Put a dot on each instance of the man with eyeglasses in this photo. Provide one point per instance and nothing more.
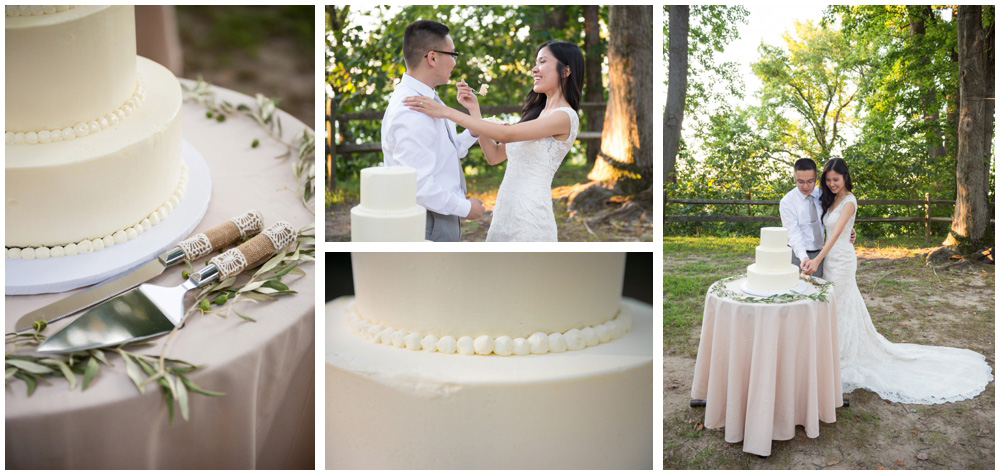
(801, 213)
(431, 146)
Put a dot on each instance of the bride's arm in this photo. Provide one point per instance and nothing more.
(551, 124)
(495, 153)
(838, 228)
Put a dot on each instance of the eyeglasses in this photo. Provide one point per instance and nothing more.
(449, 53)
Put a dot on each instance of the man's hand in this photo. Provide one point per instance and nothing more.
(477, 209)
(804, 263)
(854, 235)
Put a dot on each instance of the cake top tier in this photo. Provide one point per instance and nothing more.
(492, 293)
(388, 188)
(68, 67)
(774, 238)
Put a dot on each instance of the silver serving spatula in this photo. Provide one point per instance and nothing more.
(149, 311)
(194, 247)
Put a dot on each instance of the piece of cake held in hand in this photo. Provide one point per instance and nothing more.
(773, 272)
(483, 89)
(388, 211)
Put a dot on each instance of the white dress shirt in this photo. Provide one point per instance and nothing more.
(795, 216)
(429, 145)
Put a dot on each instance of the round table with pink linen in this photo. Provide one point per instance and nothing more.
(265, 368)
(766, 365)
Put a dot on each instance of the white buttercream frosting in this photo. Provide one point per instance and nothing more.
(97, 243)
(538, 343)
(81, 129)
(35, 10)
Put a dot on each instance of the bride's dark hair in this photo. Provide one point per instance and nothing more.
(838, 165)
(569, 56)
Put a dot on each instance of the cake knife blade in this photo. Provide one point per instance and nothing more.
(148, 311)
(191, 248)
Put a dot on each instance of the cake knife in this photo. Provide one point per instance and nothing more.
(148, 311)
(192, 248)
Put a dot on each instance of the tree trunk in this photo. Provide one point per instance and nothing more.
(626, 158)
(331, 147)
(971, 218)
(673, 117)
(593, 89)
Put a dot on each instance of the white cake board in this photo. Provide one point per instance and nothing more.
(59, 274)
(801, 288)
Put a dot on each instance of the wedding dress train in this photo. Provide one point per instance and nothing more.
(523, 210)
(898, 372)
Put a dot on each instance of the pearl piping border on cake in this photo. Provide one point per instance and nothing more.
(538, 343)
(118, 237)
(81, 129)
(35, 10)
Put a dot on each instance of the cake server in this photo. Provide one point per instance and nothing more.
(192, 248)
(149, 311)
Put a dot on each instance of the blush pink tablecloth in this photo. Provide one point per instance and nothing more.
(267, 369)
(765, 368)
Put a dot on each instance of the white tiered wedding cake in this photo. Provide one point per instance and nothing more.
(489, 360)
(388, 209)
(92, 132)
(773, 272)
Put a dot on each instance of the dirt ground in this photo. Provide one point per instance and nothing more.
(909, 302)
(571, 228)
(278, 66)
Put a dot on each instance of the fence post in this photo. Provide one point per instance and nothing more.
(927, 217)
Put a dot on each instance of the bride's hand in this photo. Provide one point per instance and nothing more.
(810, 266)
(427, 105)
(467, 98)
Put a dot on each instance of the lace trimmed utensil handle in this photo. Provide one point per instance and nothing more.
(271, 240)
(236, 228)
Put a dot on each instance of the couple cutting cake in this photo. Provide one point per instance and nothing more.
(418, 131)
(899, 372)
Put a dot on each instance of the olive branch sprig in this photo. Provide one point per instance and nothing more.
(264, 112)
(821, 295)
(170, 374)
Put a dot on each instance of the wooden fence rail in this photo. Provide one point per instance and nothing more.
(925, 203)
(332, 149)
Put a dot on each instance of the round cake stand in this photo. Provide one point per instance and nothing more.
(803, 285)
(59, 274)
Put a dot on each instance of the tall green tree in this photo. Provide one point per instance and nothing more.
(814, 83)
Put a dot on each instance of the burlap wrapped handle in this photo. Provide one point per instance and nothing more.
(262, 246)
(236, 228)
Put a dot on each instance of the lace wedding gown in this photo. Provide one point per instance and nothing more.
(898, 372)
(523, 211)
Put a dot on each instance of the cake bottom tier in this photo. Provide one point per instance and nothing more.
(391, 408)
(772, 281)
(91, 187)
(378, 226)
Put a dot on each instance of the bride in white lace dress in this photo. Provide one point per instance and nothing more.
(533, 148)
(898, 372)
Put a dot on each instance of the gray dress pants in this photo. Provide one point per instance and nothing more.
(442, 228)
